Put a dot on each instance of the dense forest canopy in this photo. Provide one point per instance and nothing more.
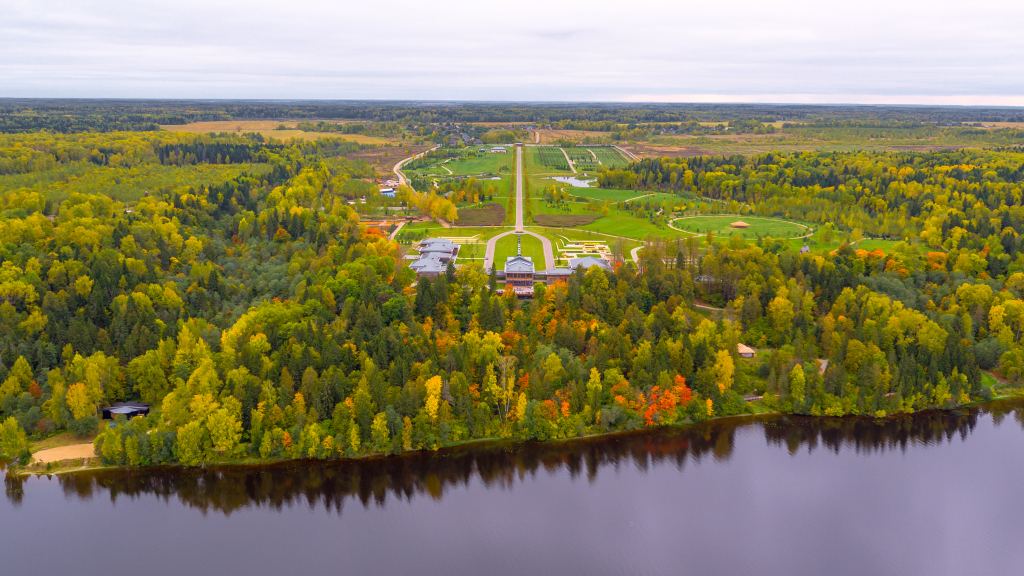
(260, 318)
(948, 200)
(25, 115)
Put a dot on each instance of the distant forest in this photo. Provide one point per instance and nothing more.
(72, 116)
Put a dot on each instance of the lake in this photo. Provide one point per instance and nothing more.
(935, 493)
(573, 181)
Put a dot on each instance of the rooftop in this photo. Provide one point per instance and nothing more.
(588, 261)
(519, 264)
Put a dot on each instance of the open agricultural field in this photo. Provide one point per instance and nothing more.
(610, 157)
(546, 159)
(580, 136)
(542, 206)
(492, 214)
(582, 158)
(384, 158)
(722, 226)
(268, 129)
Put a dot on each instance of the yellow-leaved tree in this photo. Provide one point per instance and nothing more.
(724, 370)
(433, 397)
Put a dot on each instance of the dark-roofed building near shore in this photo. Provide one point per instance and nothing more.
(127, 409)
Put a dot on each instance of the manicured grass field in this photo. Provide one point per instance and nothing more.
(722, 226)
(622, 224)
(566, 220)
(506, 247)
(482, 163)
(658, 197)
(606, 193)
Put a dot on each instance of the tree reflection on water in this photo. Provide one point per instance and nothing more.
(225, 489)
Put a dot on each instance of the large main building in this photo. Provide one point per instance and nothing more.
(519, 273)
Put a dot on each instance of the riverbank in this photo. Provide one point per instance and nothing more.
(81, 464)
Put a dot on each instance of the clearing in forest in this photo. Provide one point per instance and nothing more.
(729, 224)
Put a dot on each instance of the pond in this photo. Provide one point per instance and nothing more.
(935, 494)
(574, 181)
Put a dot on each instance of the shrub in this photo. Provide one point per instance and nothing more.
(85, 426)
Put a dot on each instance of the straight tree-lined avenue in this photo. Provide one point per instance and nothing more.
(549, 257)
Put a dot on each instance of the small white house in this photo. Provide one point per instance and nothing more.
(499, 150)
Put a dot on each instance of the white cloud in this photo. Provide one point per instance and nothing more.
(739, 50)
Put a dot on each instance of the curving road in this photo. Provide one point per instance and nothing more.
(402, 180)
(549, 257)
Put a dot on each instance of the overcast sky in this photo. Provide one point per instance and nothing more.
(843, 51)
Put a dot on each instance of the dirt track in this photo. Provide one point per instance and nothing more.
(64, 453)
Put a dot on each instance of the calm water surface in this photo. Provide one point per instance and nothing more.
(573, 181)
(931, 494)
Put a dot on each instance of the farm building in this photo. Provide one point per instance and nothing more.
(498, 150)
(739, 224)
(744, 351)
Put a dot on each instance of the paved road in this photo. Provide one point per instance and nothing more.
(549, 257)
(402, 180)
(628, 154)
(571, 165)
(395, 233)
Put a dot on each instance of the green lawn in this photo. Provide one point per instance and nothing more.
(482, 163)
(606, 193)
(721, 226)
(622, 224)
(506, 247)
(658, 197)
